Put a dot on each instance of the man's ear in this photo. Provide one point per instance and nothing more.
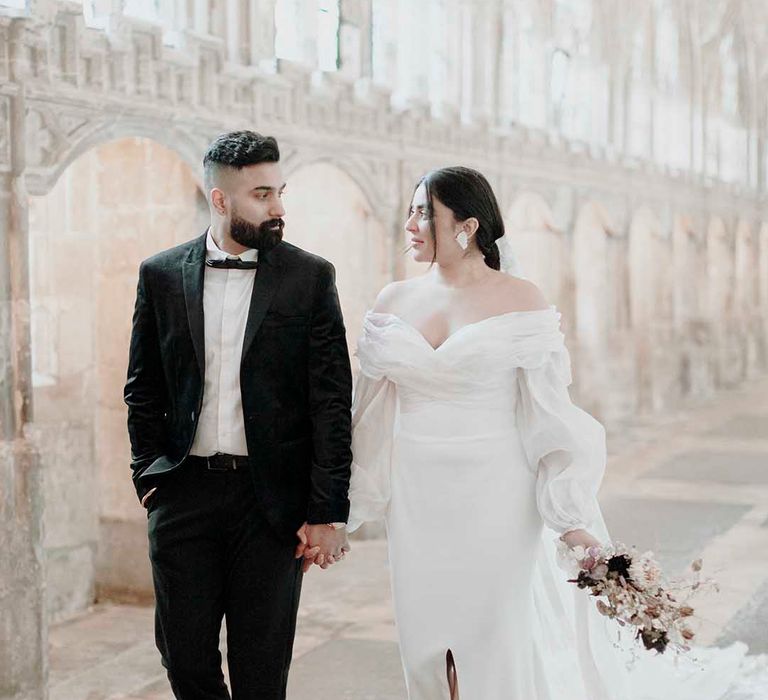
(219, 201)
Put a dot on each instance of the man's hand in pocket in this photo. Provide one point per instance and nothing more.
(147, 495)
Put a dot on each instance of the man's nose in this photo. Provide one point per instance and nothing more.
(278, 210)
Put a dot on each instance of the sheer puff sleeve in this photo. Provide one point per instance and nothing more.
(563, 443)
(373, 414)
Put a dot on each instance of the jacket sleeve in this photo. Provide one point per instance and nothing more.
(330, 400)
(373, 417)
(563, 443)
(145, 391)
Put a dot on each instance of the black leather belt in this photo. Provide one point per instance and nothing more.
(219, 462)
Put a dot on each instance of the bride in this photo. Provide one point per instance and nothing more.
(466, 442)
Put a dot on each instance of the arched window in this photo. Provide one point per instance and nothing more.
(558, 86)
(733, 135)
(639, 118)
(667, 52)
(297, 20)
(531, 78)
(287, 24)
(439, 59)
(729, 86)
(382, 43)
(328, 35)
(143, 9)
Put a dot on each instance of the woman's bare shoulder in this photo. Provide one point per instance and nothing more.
(392, 295)
(520, 294)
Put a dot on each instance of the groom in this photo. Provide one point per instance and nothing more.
(238, 392)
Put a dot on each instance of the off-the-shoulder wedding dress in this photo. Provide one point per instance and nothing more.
(476, 458)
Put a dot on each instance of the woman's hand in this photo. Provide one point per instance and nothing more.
(574, 538)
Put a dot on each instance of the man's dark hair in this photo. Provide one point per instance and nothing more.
(236, 150)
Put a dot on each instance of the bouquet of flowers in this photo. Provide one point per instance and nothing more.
(631, 589)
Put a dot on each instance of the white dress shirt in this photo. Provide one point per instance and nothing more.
(226, 300)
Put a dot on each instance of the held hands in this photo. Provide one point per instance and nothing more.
(321, 544)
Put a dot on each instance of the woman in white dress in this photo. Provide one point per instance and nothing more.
(466, 442)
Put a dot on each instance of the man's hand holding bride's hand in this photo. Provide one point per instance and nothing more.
(574, 538)
(322, 545)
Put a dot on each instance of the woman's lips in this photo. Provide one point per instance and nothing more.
(416, 241)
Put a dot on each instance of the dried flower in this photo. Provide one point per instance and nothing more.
(605, 609)
(631, 589)
(645, 573)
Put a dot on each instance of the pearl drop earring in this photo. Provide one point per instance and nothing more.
(462, 240)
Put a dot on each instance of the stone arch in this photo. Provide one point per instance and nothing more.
(763, 268)
(537, 244)
(722, 303)
(92, 134)
(329, 213)
(689, 258)
(88, 234)
(746, 296)
(720, 269)
(646, 246)
(762, 291)
(593, 302)
(745, 273)
(378, 187)
(590, 266)
(691, 324)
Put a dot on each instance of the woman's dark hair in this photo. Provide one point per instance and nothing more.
(467, 194)
(236, 150)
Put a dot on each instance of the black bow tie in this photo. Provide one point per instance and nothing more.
(232, 264)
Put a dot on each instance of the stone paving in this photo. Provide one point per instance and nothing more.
(685, 484)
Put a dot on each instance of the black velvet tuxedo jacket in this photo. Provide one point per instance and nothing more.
(295, 380)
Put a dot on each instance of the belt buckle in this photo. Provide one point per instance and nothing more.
(212, 468)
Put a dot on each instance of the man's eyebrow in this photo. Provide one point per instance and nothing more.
(267, 188)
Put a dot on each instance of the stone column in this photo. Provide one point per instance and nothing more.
(23, 634)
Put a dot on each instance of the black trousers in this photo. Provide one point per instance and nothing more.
(213, 555)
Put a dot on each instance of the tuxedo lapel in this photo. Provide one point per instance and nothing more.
(264, 287)
(193, 269)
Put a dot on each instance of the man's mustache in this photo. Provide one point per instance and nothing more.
(272, 223)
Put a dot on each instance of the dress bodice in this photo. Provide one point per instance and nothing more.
(475, 366)
(466, 386)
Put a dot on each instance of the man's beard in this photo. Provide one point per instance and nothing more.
(263, 237)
